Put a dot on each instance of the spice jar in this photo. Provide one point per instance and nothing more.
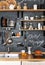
(18, 34)
(12, 23)
(23, 54)
(18, 6)
(38, 53)
(30, 27)
(25, 6)
(42, 17)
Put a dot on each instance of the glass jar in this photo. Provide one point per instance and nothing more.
(11, 23)
(35, 6)
(25, 6)
(23, 54)
(42, 17)
(18, 34)
(18, 6)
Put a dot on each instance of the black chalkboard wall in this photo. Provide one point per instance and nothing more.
(13, 16)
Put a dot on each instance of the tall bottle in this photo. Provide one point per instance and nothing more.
(3, 22)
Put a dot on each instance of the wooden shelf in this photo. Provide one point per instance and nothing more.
(29, 58)
(38, 20)
(32, 30)
(8, 10)
(30, 10)
(7, 27)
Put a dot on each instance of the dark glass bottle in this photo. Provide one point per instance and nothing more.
(3, 22)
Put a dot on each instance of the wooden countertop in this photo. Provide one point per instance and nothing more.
(29, 58)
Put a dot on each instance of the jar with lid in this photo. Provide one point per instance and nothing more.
(35, 6)
(42, 17)
(25, 6)
(18, 6)
(23, 54)
(18, 34)
(12, 23)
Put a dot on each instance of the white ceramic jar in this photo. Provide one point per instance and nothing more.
(31, 18)
(26, 18)
(35, 6)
